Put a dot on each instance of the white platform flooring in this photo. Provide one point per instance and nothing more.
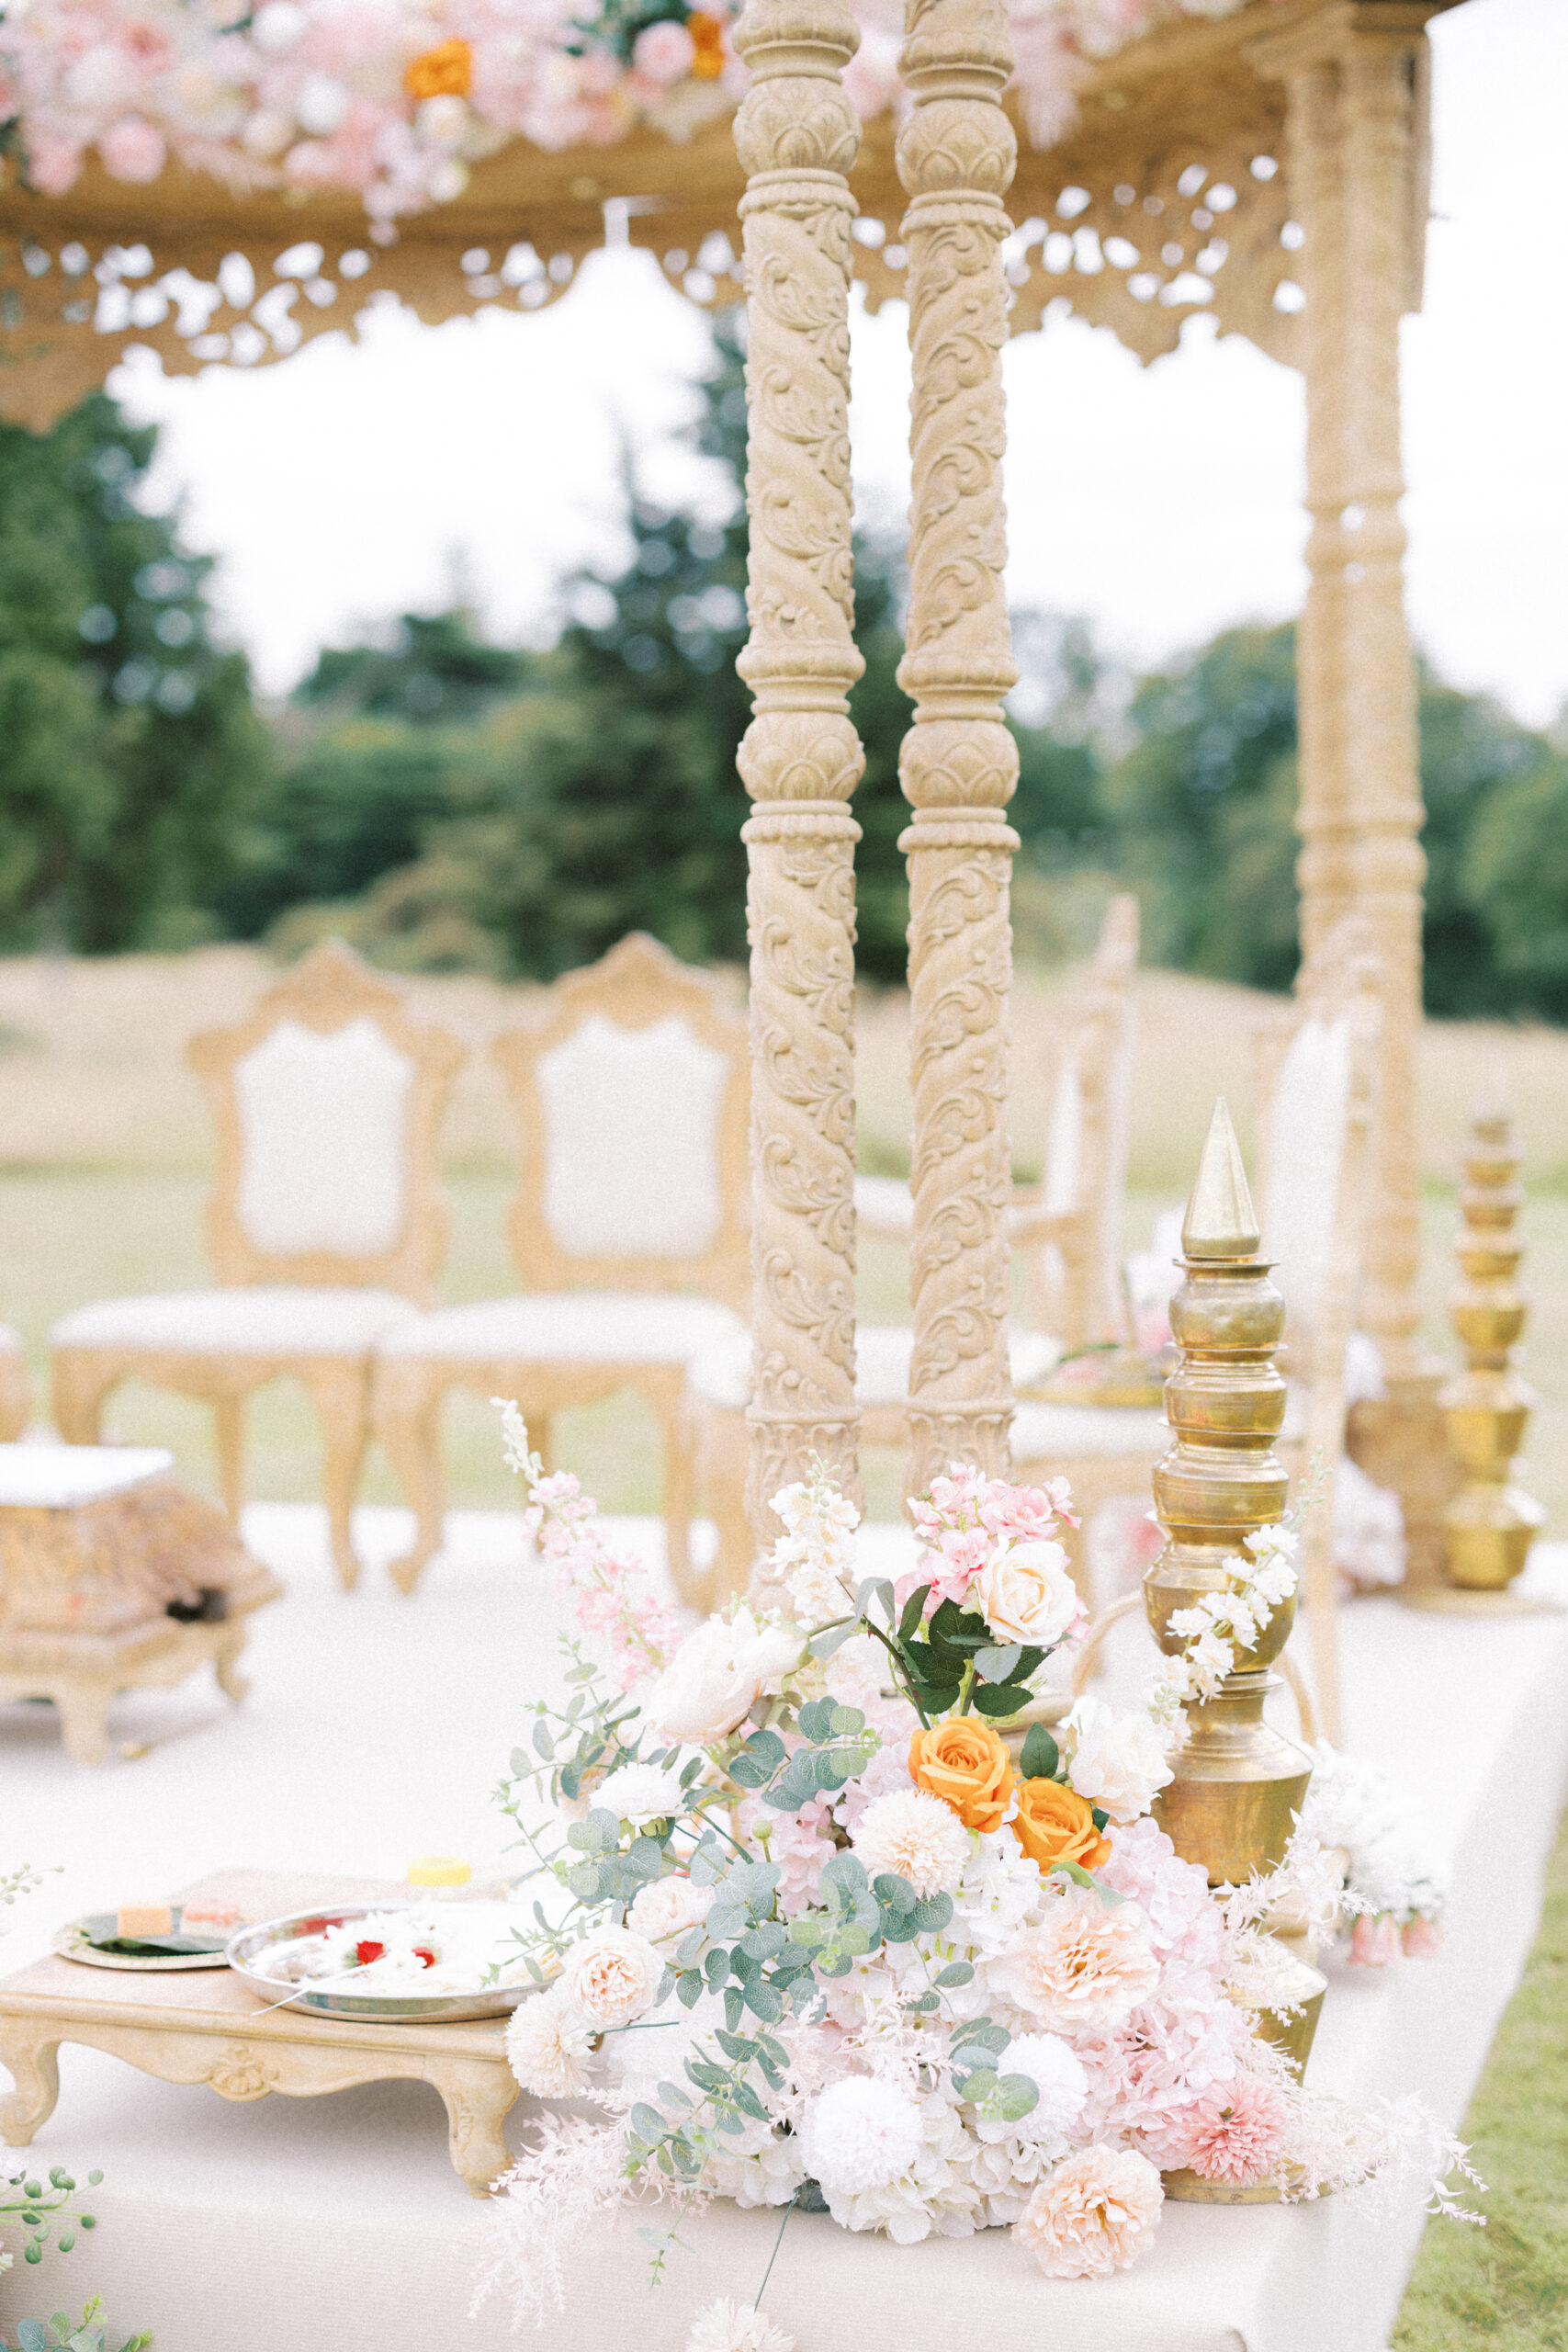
(375, 1730)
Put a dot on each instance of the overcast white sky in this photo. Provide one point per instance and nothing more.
(343, 484)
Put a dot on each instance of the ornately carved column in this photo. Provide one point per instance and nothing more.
(956, 156)
(797, 134)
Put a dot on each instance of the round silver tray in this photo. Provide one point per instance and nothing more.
(303, 1928)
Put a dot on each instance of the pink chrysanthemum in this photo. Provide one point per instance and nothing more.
(1239, 2144)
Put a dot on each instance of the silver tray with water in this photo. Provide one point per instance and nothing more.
(290, 1939)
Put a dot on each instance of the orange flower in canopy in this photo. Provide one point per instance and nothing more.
(707, 39)
(1054, 1825)
(445, 72)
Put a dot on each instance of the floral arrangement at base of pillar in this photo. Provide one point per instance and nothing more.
(818, 1937)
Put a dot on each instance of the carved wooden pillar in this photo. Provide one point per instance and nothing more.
(797, 135)
(959, 765)
(1356, 81)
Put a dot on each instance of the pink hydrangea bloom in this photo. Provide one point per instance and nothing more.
(1184, 1922)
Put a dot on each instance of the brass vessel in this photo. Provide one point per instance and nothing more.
(1491, 1523)
(1239, 1785)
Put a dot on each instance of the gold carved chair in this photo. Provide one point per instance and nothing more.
(631, 1229)
(1315, 1064)
(326, 1225)
(1068, 1225)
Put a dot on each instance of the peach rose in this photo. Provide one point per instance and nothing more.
(966, 1763)
(1056, 1824)
(1093, 2215)
(612, 1977)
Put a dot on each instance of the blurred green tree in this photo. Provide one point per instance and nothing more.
(128, 746)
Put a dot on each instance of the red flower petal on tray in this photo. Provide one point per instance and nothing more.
(422, 1952)
(367, 1951)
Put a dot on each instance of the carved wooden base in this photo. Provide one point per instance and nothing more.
(209, 2027)
(84, 1676)
(1402, 1441)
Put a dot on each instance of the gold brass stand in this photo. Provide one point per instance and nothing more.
(1239, 1785)
(1491, 1523)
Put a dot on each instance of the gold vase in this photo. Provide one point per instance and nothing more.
(1491, 1523)
(1237, 1784)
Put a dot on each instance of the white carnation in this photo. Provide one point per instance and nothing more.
(860, 2135)
(547, 2043)
(1119, 1760)
(730, 2327)
(917, 1836)
(1058, 2075)
(640, 1793)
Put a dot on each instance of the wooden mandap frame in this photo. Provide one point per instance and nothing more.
(1269, 166)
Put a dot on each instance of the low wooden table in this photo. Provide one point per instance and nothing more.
(205, 2026)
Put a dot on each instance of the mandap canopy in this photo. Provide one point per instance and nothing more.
(219, 185)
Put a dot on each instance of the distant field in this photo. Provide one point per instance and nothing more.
(105, 1147)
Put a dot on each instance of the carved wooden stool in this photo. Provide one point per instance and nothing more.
(205, 2026)
(112, 1578)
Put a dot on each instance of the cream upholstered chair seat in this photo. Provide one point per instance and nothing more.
(631, 1085)
(326, 1225)
(572, 1327)
(270, 1319)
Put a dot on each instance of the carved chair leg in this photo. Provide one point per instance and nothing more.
(81, 1387)
(34, 2066)
(16, 1395)
(341, 1393)
(406, 1414)
(228, 1428)
(542, 1438)
(83, 1709)
(226, 1666)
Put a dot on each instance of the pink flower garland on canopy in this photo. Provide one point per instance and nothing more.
(397, 98)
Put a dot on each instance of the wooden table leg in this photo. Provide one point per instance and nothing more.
(478, 2098)
(34, 2064)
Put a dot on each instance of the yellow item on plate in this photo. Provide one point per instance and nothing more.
(440, 1870)
(144, 1919)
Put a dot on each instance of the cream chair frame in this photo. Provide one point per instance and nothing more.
(1341, 983)
(639, 984)
(329, 989)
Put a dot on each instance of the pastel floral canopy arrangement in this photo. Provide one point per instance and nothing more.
(397, 98)
(810, 1929)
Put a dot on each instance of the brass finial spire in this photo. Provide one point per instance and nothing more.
(1221, 1221)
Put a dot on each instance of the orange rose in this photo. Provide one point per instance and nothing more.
(444, 71)
(1056, 1824)
(966, 1763)
(708, 45)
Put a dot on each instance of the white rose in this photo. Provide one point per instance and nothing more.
(668, 1907)
(1026, 1594)
(1119, 1760)
(612, 1977)
(713, 1679)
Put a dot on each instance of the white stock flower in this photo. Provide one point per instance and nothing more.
(730, 2327)
(640, 1793)
(1026, 1594)
(1118, 1759)
(713, 1679)
(668, 1907)
(612, 1977)
(546, 2043)
(817, 1595)
(917, 1836)
(860, 2135)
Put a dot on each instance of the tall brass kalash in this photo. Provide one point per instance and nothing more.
(1237, 1785)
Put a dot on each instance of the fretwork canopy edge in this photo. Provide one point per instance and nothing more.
(1171, 196)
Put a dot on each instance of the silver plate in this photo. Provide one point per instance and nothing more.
(302, 1929)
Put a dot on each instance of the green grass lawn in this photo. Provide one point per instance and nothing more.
(1506, 2286)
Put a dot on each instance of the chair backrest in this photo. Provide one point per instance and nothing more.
(1316, 1069)
(632, 1091)
(1075, 1281)
(328, 1104)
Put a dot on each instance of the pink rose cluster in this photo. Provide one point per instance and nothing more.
(991, 1549)
(319, 94)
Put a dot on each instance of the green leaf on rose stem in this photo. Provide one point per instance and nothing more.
(1100, 1817)
(996, 1665)
(914, 1609)
(957, 1971)
(1040, 1755)
(832, 1638)
(999, 1699)
(1030, 1663)
(1074, 1871)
